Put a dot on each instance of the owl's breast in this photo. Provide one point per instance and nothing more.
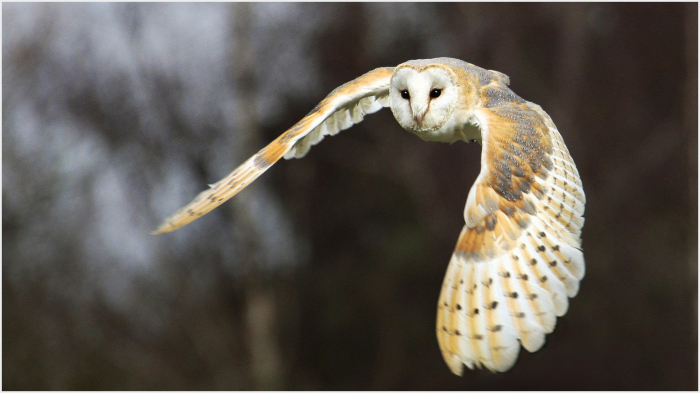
(459, 127)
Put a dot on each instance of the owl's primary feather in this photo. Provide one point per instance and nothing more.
(343, 107)
(518, 258)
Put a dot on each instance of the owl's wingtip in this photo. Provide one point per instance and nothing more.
(455, 364)
(161, 229)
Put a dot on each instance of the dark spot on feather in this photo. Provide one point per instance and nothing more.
(514, 150)
(503, 167)
(490, 222)
(517, 171)
(509, 158)
(541, 248)
(529, 207)
(553, 263)
(508, 211)
(459, 307)
(525, 186)
(548, 163)
(505, 189)
(476, 311)
(260, 161)
(523, 223)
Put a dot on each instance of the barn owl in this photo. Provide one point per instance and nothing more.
(518, 257)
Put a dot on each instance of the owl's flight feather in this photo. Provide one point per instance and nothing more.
(343, 107)
(518, 258)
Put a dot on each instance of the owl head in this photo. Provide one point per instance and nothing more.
(423, 96)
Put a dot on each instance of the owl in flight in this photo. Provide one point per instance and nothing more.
(518, 258)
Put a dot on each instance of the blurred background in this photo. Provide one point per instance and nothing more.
(325, 273)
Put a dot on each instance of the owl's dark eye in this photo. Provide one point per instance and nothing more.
(435, 93)
(405, 95)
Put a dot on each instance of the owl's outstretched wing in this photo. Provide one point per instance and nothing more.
(519, 255)
(343, 107)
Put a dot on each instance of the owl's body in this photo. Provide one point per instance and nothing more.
(518, 258)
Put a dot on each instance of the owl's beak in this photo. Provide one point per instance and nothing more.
(419, 118)
(419, 113)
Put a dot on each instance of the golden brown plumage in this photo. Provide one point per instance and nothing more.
(519, 255)
(518, 258)
(350, 101)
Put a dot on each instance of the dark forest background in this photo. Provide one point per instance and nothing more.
(325, 273)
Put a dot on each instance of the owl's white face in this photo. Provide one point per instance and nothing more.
(422, 101)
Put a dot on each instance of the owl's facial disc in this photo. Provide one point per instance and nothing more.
(422, 101)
